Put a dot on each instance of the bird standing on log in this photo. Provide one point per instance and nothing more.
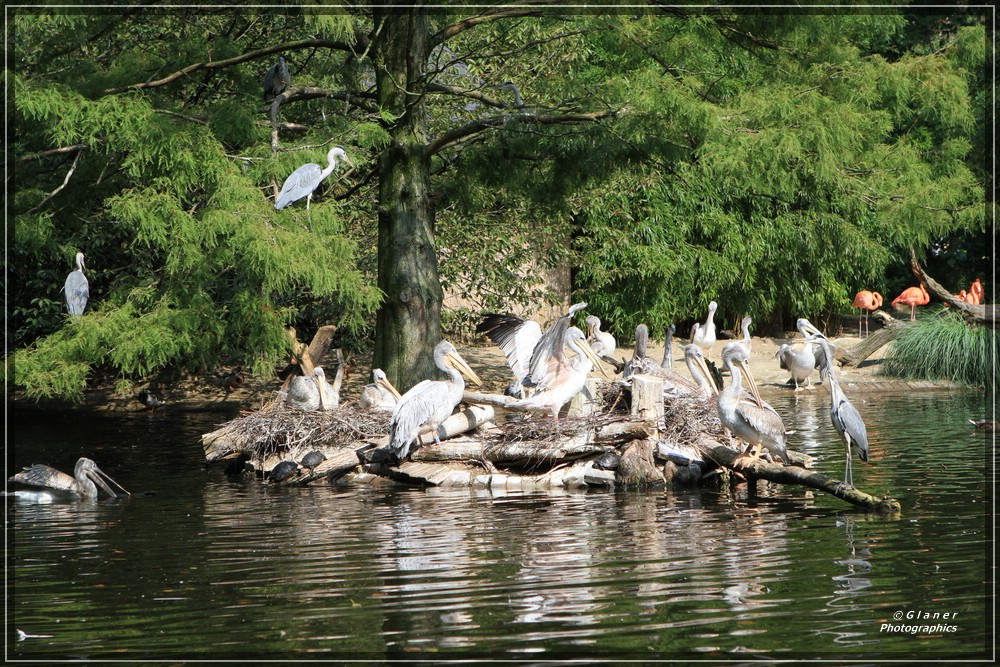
(866, 301)
(749, 421)
(430, 402)
(843, 414)
(913, 297)
(703, 335)
(77, 289)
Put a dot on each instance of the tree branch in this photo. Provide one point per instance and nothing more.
(69, 174)
(471, 129)
(236, 60)
(75, 148)
(457, 28)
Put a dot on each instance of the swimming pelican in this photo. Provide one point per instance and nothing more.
(379, 395)
(77, 289)
(519, 339)
(85, 475)
(430, 402)
(562, 378)
(304, 180)
(674, 384)
(601, 342)
(749, 421)
(668, 360)
(843, 414)
(703, 335)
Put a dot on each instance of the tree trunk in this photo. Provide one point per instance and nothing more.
(408, 325)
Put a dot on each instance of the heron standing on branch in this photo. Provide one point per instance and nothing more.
(77, 289)
(304, 180)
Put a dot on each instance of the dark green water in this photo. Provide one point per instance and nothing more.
(200, 566)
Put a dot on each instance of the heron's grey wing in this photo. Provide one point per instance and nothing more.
(45, 476)
(300, 183)
(77, 290)
(851, 423)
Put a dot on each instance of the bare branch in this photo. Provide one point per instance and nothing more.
(476, 127)
(75, 148)
(253, 55)
(465, 24)
(69, 174)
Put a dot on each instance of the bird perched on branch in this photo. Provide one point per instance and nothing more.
(304, 180)
(77, 289)
(277, 79)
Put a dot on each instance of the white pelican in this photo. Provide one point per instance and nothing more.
(379, 395)
(703, 335)
(745, 328)
(843, 414)
(430, 402)
(85, 475)
(560, 379)
(800, 357)
(314, 393)
(601, 342)
(698, 368)
(77, 289)
(749, 421)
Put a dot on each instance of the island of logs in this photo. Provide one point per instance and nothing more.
(612, 436)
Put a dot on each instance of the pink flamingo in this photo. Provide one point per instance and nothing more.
(977, 288)
(913, 297)
(866, 301)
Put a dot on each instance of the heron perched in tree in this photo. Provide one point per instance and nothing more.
(430, 402)
(87, 477)
(276, 79)
(703, 335)
(843, 414)
(749, 421)
(668, 361)
(77, 289)
(800, 358)
(380, 394)
(304, 180)
(510, 85)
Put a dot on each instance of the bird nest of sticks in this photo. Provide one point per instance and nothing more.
(261, 434)
(546, 431)
(687, 420)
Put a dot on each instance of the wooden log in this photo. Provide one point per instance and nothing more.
(465, 420)
(304, 361)
(794, 475)
(585, 403)
(647, 401)
(855, 355)
(978, 313)
(637, 467)
(498, 400)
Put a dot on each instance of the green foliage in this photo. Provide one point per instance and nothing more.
(942, 346)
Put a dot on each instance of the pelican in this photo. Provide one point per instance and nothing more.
(380, 394)
(674, 384)
(668, 361)
(698, 368)
(745, 328)
(843, 414)
(749, 421)
(703, 335)
(314, 393)
(601, 342)
(430, 402)
(307, 178)
(87, 477)
(77, 289)
(557, 381)
(520, 339)
(276, 79)
(800, 357)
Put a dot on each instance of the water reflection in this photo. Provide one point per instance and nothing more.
(205, 566)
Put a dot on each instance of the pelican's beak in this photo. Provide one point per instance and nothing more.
(385, 384)
(594, 359)
(745, 372)
(98, 476)
(590, 331)
(807, 329)
(459, 364)
(702, 366)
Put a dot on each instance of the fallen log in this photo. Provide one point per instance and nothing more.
(889, 332)
(981, 314)
(782, 474)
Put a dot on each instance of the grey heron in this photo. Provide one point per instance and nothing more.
(430, 402)
(749, 421)
(844, 416)
(703, 335)
(510, 85)
(304, 180)
(380, 394)
(87, 477)
(77, 289)
(276, 79)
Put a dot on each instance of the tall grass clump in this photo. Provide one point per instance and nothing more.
(942, 346)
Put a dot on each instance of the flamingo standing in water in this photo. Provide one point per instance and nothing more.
(913, 297)
(866, 301)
